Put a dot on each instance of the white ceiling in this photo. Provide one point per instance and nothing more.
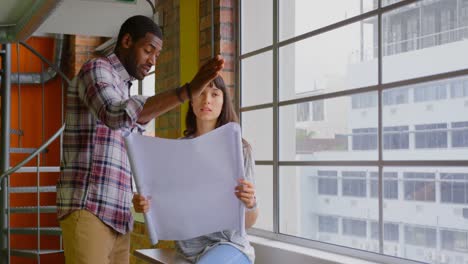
(92, 17)
(19, 19)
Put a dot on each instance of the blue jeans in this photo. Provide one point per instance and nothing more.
(225, 254)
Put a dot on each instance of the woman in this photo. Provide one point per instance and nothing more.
(212, 109)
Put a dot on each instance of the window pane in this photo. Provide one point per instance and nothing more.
(257, 79)
(301, 16)
(257, 128)
(423, 30)
(354, 183)
(431, 136)
(328, 224)
(354, 227)
(391, 231)
(329, 62)
(264, 194)
(425, 127)
(454, 188)
(454, 240)
(313, 205)
(328, 130)
(327, 182)
(149, 89)
(257, 24)
(419, 186)
(429, 211)
(390, 185)
(460, 134)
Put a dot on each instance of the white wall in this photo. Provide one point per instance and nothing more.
(92, 17)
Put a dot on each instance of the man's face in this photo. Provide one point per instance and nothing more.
(143, 55)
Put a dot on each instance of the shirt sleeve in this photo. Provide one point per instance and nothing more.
(249, 170)
(101, 96)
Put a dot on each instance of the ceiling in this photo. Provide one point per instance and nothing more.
(19, 19)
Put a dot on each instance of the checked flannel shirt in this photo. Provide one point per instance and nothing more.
(95, 174)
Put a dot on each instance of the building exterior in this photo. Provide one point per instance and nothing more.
(425, 208)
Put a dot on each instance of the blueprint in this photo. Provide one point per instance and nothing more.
(190, 182)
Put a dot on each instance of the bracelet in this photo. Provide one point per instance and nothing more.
(178, 91)
(188, 89)
(254, 207)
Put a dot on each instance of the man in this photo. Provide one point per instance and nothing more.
(94, 189)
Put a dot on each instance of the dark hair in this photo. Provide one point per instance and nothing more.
(228, 114)
(137, 27)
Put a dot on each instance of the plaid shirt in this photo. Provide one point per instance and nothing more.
(96, 174)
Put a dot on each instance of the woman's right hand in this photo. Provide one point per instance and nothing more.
(140, 203)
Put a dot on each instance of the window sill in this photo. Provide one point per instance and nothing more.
(273, 251)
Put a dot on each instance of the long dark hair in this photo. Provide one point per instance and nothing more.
(228, 114)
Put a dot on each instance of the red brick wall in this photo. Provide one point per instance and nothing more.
(224, 36)
(81, 50)
(167, 67)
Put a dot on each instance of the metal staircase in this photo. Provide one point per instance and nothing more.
(23, 168)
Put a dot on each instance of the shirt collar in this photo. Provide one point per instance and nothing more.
(118, 66)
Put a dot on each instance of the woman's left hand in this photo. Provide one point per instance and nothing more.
(245, 192)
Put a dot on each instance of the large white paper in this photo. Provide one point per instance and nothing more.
(191, 182)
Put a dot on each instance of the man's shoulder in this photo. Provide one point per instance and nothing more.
(98, 62)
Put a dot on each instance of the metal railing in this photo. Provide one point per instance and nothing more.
(6, 171)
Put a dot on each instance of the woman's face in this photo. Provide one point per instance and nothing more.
(207, 107)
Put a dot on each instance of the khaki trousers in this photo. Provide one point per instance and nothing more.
(87, 240)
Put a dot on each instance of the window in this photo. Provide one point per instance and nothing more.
(323, 184)
(459, 88)
(318, 110)
(454, 188)
(421, 236)
(430, 92)
(395, 96)
(327, 182)
(364, 100)
(364, 138)
(391, 231)
(454, 240)
(412, 31)
(328, 224)
(431, 136)
(354, 183)
(428, 29)
(396, 137)
(303, 112)
(352, 227)
(419, 186)
(460, 134)
(447, 25)
(390, 185)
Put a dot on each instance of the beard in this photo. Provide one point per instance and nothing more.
(132, 65)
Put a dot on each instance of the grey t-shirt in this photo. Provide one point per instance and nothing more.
(194, 248)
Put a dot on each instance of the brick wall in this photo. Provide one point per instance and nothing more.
(224, 36)
(81, 50)
(167, 67)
